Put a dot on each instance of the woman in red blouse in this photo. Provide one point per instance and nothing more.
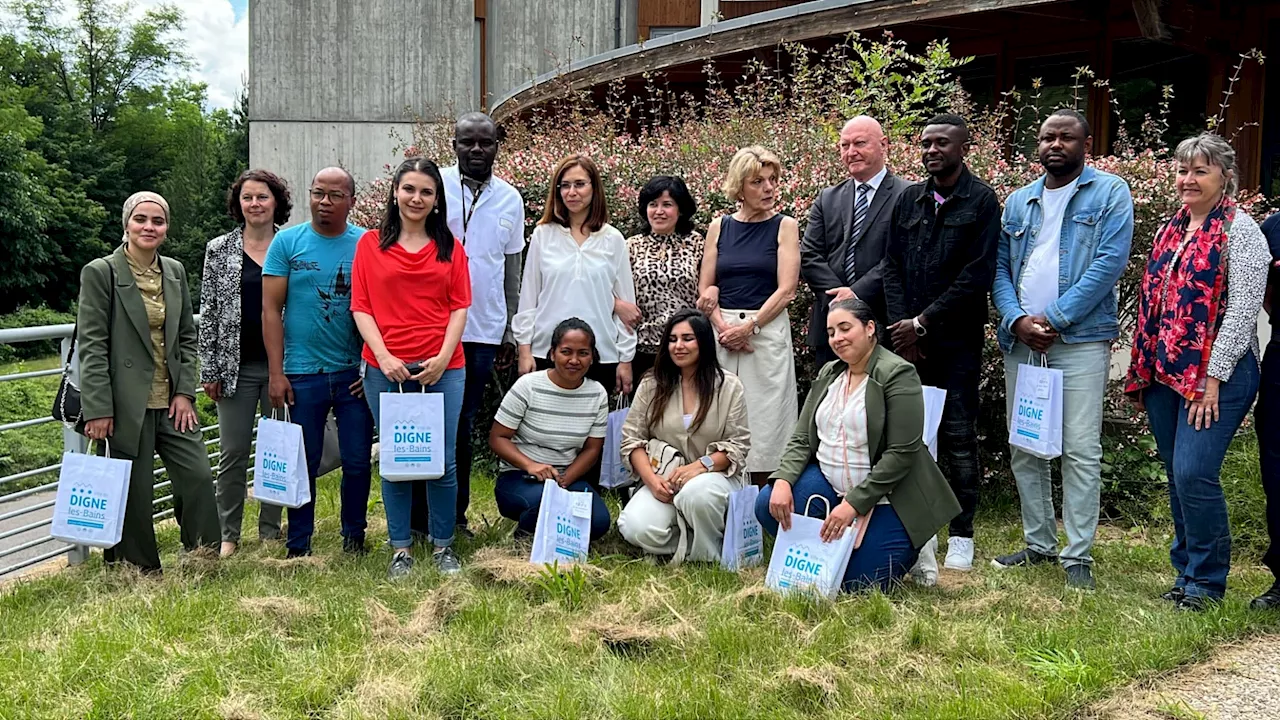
(410, 293)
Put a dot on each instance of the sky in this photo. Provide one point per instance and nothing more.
(217, 37)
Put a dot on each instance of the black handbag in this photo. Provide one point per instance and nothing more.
(66, 403)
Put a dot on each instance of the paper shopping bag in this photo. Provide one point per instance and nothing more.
(280, 464)
(1035, 423)
(934, 400)
(92, 493)
(613, 473)
(802, 562)
(564, 526)
(411, 436)
(743, 538)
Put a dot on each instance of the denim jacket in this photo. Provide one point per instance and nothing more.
(1097, 229)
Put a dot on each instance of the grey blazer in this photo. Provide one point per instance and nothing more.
(825, 246)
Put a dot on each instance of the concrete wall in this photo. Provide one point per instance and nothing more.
(330, 80)
(530, 37)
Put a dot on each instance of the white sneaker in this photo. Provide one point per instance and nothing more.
(925, 571)
(959, 554)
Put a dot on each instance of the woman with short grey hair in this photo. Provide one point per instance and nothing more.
(1194, 366)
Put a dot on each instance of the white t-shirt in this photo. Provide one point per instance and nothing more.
(843, 455)
(552, 423)
(494, 230)
(1038, 288)
(563, 279)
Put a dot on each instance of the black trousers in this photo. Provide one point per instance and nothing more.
(958, 455)
(1266, 416)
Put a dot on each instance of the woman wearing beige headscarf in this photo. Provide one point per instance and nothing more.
(137, 346)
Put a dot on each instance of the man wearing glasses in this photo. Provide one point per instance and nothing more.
(313, 350)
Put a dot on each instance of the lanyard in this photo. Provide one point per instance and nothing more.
(475, 200)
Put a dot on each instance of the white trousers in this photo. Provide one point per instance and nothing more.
(690, 528)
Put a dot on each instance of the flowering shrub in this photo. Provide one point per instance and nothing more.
(798, 115)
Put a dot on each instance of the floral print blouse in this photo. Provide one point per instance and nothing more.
(665, 268)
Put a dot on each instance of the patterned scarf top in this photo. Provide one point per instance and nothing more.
(1182, 303)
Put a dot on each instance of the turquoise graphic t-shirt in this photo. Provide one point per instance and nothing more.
(320, 335)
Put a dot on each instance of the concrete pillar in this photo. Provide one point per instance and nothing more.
(709, 10)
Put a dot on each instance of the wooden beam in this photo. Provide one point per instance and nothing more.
(764, 30)
(1149, 20)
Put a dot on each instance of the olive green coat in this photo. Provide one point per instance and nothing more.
(115, 345)
(901, 466)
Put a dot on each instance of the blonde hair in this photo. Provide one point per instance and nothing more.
(746, 164)
(1214, 150)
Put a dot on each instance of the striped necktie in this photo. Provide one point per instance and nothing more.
(860, 206)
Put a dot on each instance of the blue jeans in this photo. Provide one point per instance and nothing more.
(1084, 384)
(886, 553)
(480, 360)
(519, 499)
(441, 493)
(1201, 552)
(315, 395)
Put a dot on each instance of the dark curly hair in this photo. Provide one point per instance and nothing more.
(276, 184)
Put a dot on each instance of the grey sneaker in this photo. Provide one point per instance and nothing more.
(1026, 557)
(447, 561)
(401, 565)
(1080, 577)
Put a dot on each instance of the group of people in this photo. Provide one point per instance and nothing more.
(323, 317)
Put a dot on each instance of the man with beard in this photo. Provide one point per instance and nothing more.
(1064, 245)
(487, 214)
(937, 273)
(848, 226)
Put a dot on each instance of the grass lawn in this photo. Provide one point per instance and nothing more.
(256, 637)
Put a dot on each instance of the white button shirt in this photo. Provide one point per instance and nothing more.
(563, 279)
(495, 230)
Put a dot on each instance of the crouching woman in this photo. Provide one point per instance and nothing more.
(685, 439)
(551, 426)
(858, 444)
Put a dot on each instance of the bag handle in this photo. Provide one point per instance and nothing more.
(421, 388)
(1031, 358)
(817, 497)
(285, 408)
(105, 441)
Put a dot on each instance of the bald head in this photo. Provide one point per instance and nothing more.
(336, 174)
(863, 147)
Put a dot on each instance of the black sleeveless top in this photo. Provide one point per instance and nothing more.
(747, 262)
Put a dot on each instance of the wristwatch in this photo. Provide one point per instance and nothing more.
(755, 327)
(707, 462)
(920, 329)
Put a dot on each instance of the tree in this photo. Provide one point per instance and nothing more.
(103, 56)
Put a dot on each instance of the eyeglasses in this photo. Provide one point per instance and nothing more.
(334, 195)
(578, 185)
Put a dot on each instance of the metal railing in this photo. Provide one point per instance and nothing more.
(33, 512)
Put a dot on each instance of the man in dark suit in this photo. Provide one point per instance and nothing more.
(848, 227)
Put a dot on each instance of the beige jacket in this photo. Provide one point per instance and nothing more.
(724, 429)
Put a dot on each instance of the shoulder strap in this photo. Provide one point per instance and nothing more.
(111, 311)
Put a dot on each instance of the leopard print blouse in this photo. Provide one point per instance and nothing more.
(665, 268)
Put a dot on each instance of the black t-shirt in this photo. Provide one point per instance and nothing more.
(252, 348)
(1271, 229)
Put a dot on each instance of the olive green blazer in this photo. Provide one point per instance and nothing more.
(901, 466)
(115, 347)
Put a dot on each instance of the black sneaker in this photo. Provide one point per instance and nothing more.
(447, 561)
(1269, 600)
(1080, 577)
(354, 546)
(1023, 558)
(294, 554)
(1195, 603)
(1173, 594)
(401, 565)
